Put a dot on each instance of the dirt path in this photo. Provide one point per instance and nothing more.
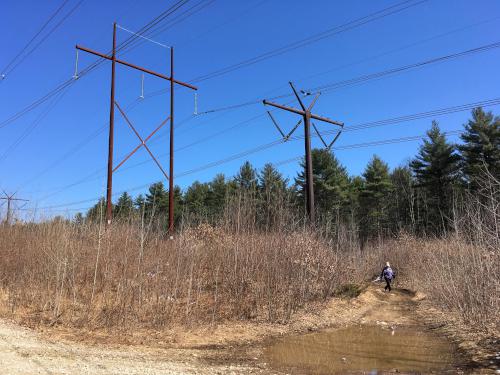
(23, 351)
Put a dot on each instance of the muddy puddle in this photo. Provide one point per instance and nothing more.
(363, 350)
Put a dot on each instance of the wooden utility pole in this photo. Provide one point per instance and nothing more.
(173, 82)
(10, 199)
(306, 114)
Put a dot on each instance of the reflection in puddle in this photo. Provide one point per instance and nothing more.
(363, 349)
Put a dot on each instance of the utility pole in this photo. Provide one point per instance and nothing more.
(171, 180)
(111, 170)
(306, 114)
(10, 199)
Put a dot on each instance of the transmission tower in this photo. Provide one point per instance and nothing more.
(306, 114)
(170, 175)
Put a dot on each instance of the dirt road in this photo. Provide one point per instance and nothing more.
(26, 352)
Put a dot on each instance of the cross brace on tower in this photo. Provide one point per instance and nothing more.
(306, 114)
(170, 176)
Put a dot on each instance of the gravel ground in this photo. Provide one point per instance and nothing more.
(24, 352)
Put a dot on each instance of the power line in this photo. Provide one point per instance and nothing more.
(63, 86)
(73, 150)
(174, 21)
(68, 83)
(44, 38)
(346, 83)
(360, 126)
(406, 46)
(368, 77)
(40, 30)
(370, 144)
(384, 122)
(33, 126)
(339, 148)
(350, 82)
(307, 41)
(90, 67)
(95, 175)
(314, 38)
(228, 21)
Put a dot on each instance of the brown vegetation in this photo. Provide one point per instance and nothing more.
(133, 276)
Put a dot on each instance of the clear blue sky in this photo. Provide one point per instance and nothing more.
(221, 34)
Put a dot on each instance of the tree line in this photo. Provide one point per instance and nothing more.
(420, 197)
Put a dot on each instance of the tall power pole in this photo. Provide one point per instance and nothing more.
(111, 170)
(306, 114)
(10, 199)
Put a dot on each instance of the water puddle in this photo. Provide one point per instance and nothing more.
(363, 349)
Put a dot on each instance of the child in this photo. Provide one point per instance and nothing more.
(388, 275)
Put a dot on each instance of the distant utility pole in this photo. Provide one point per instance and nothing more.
(306, 118)
(170, 176)
(10, 199)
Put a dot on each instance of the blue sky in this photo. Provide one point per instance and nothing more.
(223, 33)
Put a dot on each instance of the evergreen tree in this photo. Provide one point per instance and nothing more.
(124, 206)
(156, 202)
(246, 178)
(98, 211)
(403, 200)
(272, 196)
(331, 182)
(481, 147)
(436, 169)
(217, 193)
(375, 199)
(271, 182)
(178, 204)
(195, 198)
(139, 203)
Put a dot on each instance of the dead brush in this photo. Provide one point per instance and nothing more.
(65, 274)
(132, 275)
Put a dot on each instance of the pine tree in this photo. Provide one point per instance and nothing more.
(481, 147)
(195, 198)
(375, 199)
(403, 200)
(178, 204)
(139, 203)
(124, 206)
(246, 178)
(216, 195)
(272, 195)
(436, 171)
(271, 182)
(156, 201)
(98, 211)
(331, 182)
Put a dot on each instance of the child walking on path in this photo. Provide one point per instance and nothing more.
(388, 275)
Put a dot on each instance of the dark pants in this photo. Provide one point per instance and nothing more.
(388, 283)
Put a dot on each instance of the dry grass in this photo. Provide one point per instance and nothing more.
(132, 276)
(80, 276)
